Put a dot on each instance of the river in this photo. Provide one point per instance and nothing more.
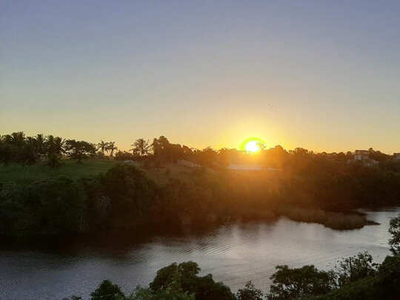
(234, 254)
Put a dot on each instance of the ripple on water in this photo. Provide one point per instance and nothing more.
(234, 254)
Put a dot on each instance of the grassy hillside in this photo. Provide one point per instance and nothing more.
(27, 174)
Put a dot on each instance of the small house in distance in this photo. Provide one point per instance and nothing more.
(361, 155)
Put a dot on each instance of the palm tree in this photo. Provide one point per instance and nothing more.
(31, 150)
(54, 145)
(17, 138)
(102, 146)
(111, 147)
(40, 143)
(59, 144)
(141, 147)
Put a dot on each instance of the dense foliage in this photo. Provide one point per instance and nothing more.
(174, 282)
(355, 268)
(119, 199)
(299, 282)
(107, 291)
(394, 230)
(249, 292)
(385, 284)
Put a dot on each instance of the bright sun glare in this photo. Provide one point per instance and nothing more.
(252, 146)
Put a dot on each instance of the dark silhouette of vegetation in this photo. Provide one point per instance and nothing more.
(121, 198)
(383, 285)
(124, 155)
(102, 146)
(184, 278)
(17, 148)
(141, 147)
(111, 148)
(174, 282)
(300, 282)
(249, 292)
(394, 230)
(355, 268)
(107, 291)
(79, 150)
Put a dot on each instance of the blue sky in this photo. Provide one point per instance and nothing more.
(323, 75)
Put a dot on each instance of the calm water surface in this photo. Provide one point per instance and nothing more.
(233, 253)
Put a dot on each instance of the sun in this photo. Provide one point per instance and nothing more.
(252, 146)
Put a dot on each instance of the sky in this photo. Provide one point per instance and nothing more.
(322, 75)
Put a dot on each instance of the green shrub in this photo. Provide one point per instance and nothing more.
(295, 283)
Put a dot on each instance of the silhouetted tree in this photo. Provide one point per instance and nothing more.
(301, 282)
(17, 139)
(123, 155)
(394, 240)
(6, 153)
(79, 150)
(356, 267)
(40, 144)
(162, 150)
(102, 146)
(141, 147)
(206, 157)
(249, 292)
(29, 153)
(183, 278)
(107, 291)
(54, 145)
(111, 147)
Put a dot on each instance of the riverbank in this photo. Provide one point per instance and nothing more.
(127, 198)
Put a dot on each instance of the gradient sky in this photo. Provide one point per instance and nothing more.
(323, 75)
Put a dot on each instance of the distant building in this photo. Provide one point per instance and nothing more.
(396, 156)
(361, 155)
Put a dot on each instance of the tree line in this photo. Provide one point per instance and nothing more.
(19, 148)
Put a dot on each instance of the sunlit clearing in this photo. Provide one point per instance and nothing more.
(252, 146)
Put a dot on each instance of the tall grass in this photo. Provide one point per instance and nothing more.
(25, 174)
